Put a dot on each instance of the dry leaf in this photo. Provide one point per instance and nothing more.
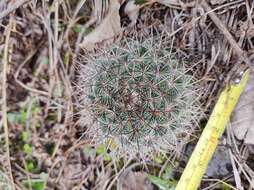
(169, 2)
(132, 10)
(134, 181)
(243, 117)
(109, 28)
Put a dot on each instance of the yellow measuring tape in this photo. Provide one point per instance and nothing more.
(198, 162)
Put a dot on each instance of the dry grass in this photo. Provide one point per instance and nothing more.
(39, 44)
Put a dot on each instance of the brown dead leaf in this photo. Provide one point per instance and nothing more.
(132, 10)
(243, 117)
(106, 32)
(134, 181)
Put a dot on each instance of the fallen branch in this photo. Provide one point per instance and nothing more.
(238, 50)
(12, 8)
(4, 105)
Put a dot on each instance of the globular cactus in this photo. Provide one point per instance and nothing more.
(139, 95)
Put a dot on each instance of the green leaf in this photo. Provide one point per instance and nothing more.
(14, 117)
(24, 136)
(66, 59)
(161, 183)
(29, 166)
(27, 149)
(17, 117)
(101, 150)
(159, 158)
(77, 28)
(23, 117)
(167, 174)
(106, 157)
(35, 184)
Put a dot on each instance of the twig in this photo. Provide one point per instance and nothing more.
(16, 75)
(238, 50)
(4, 105)
(218, 181)
(185, 25)
(12, 8)
(120, 172)
(235, 171)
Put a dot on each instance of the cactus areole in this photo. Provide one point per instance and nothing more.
(140, 96)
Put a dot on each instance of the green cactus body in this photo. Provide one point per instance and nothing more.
(140, 96)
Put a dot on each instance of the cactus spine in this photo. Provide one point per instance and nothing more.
(139, 95)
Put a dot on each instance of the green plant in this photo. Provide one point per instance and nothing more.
(139, 95)
(163, 184)
(36, 184)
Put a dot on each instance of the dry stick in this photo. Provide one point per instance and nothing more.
(13, 7)
(4, 105)
(55, 54)
(218, 181)
(16, 75)
(242, 55)
(119, 173)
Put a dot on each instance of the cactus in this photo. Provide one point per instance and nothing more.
(139, 95)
